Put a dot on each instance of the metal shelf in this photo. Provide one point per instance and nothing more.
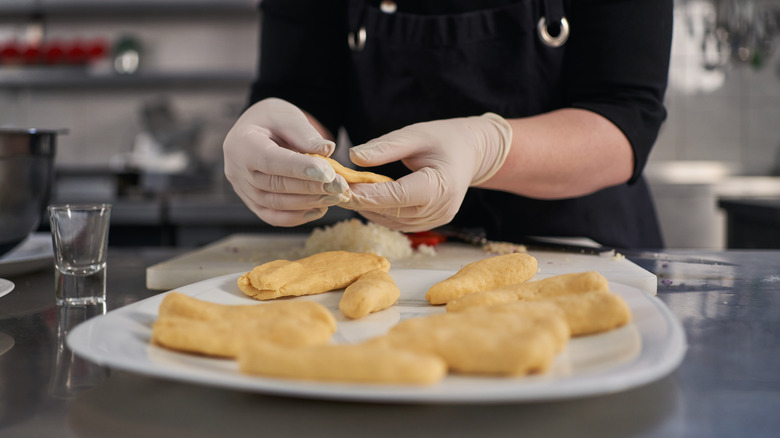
(100, 8)
(81, 78)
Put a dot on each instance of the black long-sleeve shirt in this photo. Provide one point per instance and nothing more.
(614, 63)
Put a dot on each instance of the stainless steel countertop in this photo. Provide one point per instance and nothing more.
(727, 386)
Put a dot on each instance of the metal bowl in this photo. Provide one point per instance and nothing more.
(26, 177)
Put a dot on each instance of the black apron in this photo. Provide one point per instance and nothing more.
(409, 68)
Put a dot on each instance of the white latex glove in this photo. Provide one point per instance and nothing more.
(446, 157)
(264, 162)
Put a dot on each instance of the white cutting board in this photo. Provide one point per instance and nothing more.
(242, 252)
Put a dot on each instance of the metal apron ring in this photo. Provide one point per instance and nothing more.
(357, 44)
(553, 41)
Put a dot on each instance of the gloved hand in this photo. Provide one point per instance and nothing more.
(264, 162)
(446, 157)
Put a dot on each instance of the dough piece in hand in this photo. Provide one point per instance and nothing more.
(311, 275)
(342, 363)
(371, 292)
(353, 176)
(509, 339)
(593, 312)
(565, 284)
(482, 275)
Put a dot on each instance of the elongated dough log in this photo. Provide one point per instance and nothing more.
(565, 284)
(181, 305)
(593, 312)
(188, 324)
(311, 275)
(371, 292)
(482, 275)
(509, 339)
(342, 363)
(225, 337)
(354, 176)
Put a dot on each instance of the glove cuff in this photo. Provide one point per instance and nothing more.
(495, 153)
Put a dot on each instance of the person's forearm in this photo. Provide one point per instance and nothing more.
(564, 153)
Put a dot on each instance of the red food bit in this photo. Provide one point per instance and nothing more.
(54, 53)
(10, 53)
(32, 54)
(430, 238)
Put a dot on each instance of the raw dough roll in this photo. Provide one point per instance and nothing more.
(482, 275)
(565, 284)
(371, 292)
(188, 324)
(225, 337)
(178, 304)
(343, 363)
(311, 275)
(354, 176)
(510, 339)
(593, 312)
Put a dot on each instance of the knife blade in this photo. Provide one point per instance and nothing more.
(478, 237)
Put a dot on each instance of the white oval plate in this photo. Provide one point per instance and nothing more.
(35, 253)
(647, 349)
(6, 286)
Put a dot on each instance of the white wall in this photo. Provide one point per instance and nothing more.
(722, 121)
(730, 114)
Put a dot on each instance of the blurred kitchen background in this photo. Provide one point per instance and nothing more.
(148, 88)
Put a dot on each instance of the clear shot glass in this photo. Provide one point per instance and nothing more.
(80, 236)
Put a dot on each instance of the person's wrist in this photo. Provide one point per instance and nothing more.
(495, 146)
